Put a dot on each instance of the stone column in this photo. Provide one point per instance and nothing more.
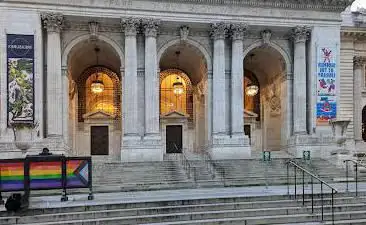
(237, 94)
(218, 33)
(53, 24)
(65, 104)
(300, 35)
(151, 79)
(358, 63)
(130, 108)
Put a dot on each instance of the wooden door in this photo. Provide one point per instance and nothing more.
(174, 142)
(99, 141)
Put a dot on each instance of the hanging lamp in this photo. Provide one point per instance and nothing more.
(97, 85)
(178, 87)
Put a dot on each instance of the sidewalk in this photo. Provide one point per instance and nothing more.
(180, 194)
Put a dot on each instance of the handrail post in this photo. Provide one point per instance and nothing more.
(321, 197)
(288, 179)
(356, 179)
(312, 196)
(303, 187)
(332, 206)
(295, 181)
(346, 175)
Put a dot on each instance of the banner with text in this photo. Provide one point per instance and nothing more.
(20, 78)
(326, 105)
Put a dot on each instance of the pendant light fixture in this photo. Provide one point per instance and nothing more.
(251, 90)
(178, 87)
(97, 85)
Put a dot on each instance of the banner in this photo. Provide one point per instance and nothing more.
(326, 105)
(20, 78)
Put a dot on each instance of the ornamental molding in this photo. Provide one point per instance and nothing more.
(359, 61)
(300, 33)
(219, 30)
(52, 22)
(237, 31)
(150, 27)
(318, 5)
(355, 34)
(130, 26)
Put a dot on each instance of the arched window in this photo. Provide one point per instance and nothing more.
(107, 101)
(175, 92)
(364, 123)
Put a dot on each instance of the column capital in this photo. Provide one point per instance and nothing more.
(151, 27)
(358, 61)
(53, 22)
(300, 33)
(219, 30)
(130, 26)
(237, 31)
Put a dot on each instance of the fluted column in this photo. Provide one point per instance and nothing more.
(130, 105)
(218, 33)
(358, 63)
(237, 94)
(53, 22)
(300, 35)
(151, 79)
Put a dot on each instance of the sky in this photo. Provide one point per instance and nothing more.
(358, 4)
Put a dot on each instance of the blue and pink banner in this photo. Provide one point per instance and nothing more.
(326, 105)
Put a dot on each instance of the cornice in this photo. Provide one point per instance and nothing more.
(326, 5)
(356, 34)
(318, 5)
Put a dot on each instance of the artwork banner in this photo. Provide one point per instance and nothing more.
(20, 78)
(326, 73)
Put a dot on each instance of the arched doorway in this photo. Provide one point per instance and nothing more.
(265, 110)
(95, 125)
(183, 112)
(364, 123)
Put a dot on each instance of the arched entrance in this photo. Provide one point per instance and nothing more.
(265, 110)
(183, 85)
(94, 124)
(364, 123)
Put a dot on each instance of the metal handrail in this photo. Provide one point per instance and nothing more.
(313, 176)
(185, 163)
(208, 162)
(357, 164)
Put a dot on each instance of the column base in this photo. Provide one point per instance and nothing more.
(230, 147)
(319, 147)
(137, 149)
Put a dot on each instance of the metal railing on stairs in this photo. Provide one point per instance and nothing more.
(186, 165)
(312, 177)
(356, 165)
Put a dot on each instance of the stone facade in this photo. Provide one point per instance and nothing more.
(212, 42)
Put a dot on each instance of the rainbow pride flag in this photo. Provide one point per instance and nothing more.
(12, 176)
(45, 175)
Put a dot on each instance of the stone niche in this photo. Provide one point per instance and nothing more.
(101, 119)
(175, 118)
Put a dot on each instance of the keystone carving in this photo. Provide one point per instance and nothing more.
(93, 29)
(184, 32)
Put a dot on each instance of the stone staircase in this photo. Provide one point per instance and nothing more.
(275, 209)
(170, 174)
(139, 176)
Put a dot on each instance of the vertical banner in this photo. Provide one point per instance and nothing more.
(20, 78)
(326, 105)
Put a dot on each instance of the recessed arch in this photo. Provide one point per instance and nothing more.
(194, 43)
(85, 37)
(278, 48)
